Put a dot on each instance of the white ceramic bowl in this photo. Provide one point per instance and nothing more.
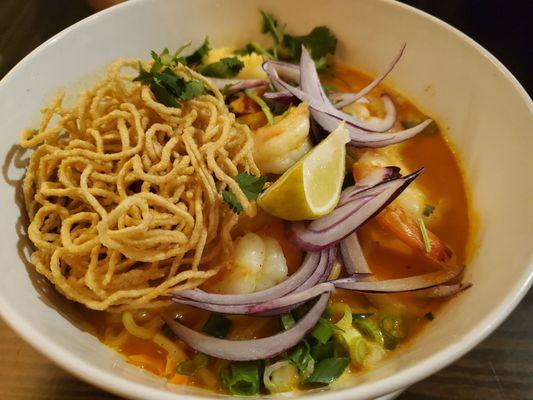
(485, 112)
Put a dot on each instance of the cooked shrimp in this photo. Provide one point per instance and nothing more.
(258, 263)
(400, 217)
(280, 146)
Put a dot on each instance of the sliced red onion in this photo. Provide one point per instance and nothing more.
(236, 85)
(332, 255)
(306, 270)
(281, 97)
(377, 176)
(363, 92)
(339, 99)
(255, 349)
(369, 285)
(272, 307)
(288, 71)
(329, 117)
(352, 255)
(343, 220)
(317, 274)
(442, 291)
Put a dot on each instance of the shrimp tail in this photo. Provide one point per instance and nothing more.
(405, 228)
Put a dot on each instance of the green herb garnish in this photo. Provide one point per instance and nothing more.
(321, 351)
(232, 200)
(253, 47)
(199, 54)
(423, 230)
(264, 107)
(429, 316)
(168, 88)
(361, 315)
(322, 331)
(287, 321)
(369, 329)
(300, 356)
(242, 378)
(217, 325)
(320, 41)
(428, 210)
(226, 67)
(328, 369)
(251, 186)
(192, 366)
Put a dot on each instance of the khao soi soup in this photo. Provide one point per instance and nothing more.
(255, 220)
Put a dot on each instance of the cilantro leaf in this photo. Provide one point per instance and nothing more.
(193, 89)
(168, 88)
(320, 42)
(271, 26)
(226, 67)
(199, 54)
(251, 186)
(232, 200)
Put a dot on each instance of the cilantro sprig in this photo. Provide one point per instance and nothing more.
(251, 186)
(226, 67)
(320, 42)
(169, 88)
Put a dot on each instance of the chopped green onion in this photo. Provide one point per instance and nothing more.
(217, 325)
(264, 107)
(359, 350)
(393, 326)
(287, 320)
(300, 356)
(423, 230)
(428, 210)
(192, 366)
(329, 369)
(321, 351)
(369, 329)
(361, 315)
(322, 331)
(429, 316)
(242, 379)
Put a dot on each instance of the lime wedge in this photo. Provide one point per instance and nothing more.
(311, 187)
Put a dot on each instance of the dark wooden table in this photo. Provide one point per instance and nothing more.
(500, 368)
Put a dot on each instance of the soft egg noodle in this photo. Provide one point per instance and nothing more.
(123, 193)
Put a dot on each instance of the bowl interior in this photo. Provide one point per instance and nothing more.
(485, 113)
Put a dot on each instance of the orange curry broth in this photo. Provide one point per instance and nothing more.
(441, 180)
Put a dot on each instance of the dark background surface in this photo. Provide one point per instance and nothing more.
(500, 368)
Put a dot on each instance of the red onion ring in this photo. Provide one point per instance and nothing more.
(368, 285)
(255, 349)
(332, 228)
(442, 291)
(276, 306)
(352, 255)
(296, 280)
(372, 85)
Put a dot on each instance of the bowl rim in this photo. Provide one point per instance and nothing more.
(124, 387)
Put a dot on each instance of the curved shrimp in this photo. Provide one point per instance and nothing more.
(400, 217)
(278, 147)
(258, 263)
